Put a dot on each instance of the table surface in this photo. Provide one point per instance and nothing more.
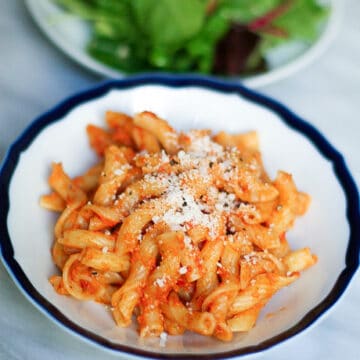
(34, 76)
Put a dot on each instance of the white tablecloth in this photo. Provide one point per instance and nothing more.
(34, 76)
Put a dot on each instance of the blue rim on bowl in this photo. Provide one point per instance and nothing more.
(290, 119)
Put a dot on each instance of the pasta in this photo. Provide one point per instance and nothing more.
(185, 231)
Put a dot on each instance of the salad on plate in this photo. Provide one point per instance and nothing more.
(223, 37)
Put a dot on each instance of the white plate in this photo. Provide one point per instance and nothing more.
(330, 228)
(71, 35)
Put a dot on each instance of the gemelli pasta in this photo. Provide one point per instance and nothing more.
(182, 230)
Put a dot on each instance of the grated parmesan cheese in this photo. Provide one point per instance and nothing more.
(160, 282)
(118, 172)
(187, 242)
(164, 157)
(183, 210)
(121, 170)
(204, 145)
(105, 249)
(251, 258)
(156, 219)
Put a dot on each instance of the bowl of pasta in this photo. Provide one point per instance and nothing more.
(176, 218)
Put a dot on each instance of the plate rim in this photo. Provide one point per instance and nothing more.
(56, 113)
(256, 81)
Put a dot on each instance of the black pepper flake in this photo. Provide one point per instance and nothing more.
(211, 164)
(173, 162)
(226, 205)
(94, 273)
(184, 203)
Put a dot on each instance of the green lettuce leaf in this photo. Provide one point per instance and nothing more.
(169, 22)
(301, 22)
(245, 11)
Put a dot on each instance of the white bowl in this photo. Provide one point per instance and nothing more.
(330, 228)
(70, 34)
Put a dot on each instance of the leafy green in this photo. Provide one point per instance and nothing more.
(182, 35)
(201, 47)
(245, 11)
(301, 22)
(79, 7)
(93, 10)
(120, 56)
(169, 22)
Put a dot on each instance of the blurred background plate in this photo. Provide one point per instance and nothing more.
(71, 34)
